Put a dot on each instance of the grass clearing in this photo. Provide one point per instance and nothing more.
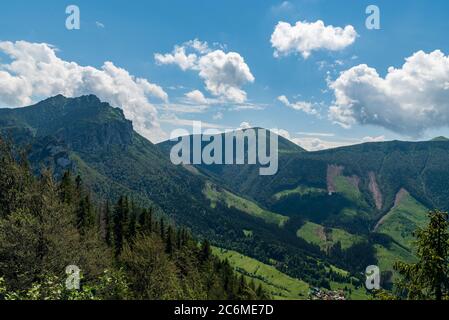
(280, 285)
(326, 237)
(403, 220)
(344, 186)
(244, 205)
(387, 257)
(301, 190)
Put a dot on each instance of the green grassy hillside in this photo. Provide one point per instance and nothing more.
(300, 190)
(387, 257)
(403, 219)
(344, 186)
(326, 237)
(231, 200)
(278, 284)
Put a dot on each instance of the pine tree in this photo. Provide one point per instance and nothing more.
(132, 227)
(169, 241)
(429, 277)
(146, 221)
(142, 221)
(118, 227)
(105, 224)
(149, 220)
(46, 226)
(67, 188)
(179, 242)
(14, 181)
(85, 215)
(206, 251)
(78, 183)
(162, 228)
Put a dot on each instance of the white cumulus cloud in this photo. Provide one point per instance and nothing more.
(245, 125)
(318, 141)
(224, 74)
(196, 97)
(408, 100)
(373, 139)
(35, 72)
(305, 37)
(178, 57)
(304, 106)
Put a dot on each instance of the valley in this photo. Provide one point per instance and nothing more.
(318, 222)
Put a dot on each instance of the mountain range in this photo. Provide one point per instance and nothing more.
(322, 219)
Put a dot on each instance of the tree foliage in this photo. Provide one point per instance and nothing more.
(429, 277)
(123, 253)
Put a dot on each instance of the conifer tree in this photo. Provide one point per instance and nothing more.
(84, 214)
(169, 240)
(118, 221)
(67, 188)
(206, 251)
(105, 224)
(132, 227)
(429, 277)
(78, 183)
(47, 225)
(14, 181)
(162, 228)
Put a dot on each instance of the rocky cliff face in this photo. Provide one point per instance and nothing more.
(83, 123)
(88, 136)
(52, 154)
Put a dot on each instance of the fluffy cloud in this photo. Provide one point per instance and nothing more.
(373, 139)
(245, 125)
(36, 72)
(306, 37)
(196, 97)
(308, 143)
(315, 144)
(224, 74)
(179, 57)
(407, 100)
(304, 106)
(180, 122)
(311, 141)
(200, 46)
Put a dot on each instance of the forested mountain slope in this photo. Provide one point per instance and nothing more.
(347, 207)
(94, 140)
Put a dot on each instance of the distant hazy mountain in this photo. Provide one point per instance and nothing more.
(441, 138)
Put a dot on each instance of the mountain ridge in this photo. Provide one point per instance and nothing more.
(348, 188)
(111, 165)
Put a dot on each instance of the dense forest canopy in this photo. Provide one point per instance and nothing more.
(122, 250)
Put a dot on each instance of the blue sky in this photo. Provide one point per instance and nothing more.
(130, 33)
